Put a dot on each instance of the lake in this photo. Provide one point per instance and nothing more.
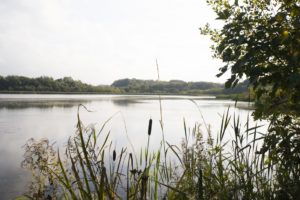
(54, 117)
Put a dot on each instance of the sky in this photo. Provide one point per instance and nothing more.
(99, 41)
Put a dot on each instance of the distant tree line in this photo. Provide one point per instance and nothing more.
(128, 86)
(48, 84)
(177, 87)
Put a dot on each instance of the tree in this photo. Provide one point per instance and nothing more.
(260, 40)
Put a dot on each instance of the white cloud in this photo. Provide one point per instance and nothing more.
(99, 41)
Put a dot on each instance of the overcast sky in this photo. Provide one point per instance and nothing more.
(99, 41)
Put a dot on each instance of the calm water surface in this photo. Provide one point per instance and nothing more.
(54, 117)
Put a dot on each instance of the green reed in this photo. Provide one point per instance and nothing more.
(225, 166)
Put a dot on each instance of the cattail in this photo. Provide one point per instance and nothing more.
(114, 155)
(149, 126)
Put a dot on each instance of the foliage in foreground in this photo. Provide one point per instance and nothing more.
(229, 166)
(259, 40)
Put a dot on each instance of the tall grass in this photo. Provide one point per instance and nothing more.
(228, 166)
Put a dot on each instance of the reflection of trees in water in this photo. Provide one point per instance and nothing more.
(130, 100)
(125, 102)
(41, 104)
(48, 104)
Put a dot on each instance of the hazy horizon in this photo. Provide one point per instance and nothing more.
(102, 41)
(116, 79)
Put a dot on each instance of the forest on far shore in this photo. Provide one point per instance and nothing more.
(44, 84)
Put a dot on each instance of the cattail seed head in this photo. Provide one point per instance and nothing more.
(150, 127)
(114, 155)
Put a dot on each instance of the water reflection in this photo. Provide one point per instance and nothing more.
(125, 102)
(64, 101)
(39, 104)
(12, 177)
(54, 117)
